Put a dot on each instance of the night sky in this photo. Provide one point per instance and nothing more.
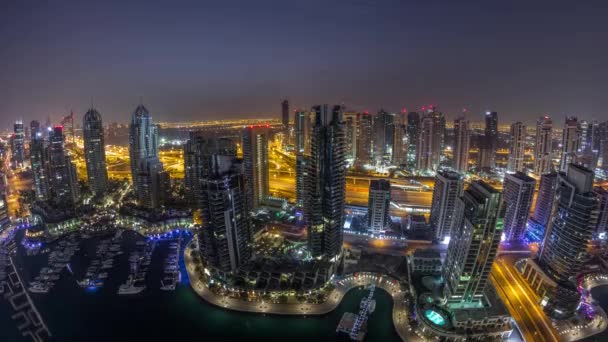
(232, 59)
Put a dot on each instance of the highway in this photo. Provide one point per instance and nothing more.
(521, 301)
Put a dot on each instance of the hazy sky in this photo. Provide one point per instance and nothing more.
(230, 59)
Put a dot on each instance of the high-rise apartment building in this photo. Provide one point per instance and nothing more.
(364, 146)
(570, 142)
(326, 183)
(38, 162)
(413, 133)
(384, 131)
(255, 163)
(351, 125)
(544, 199)
(430, 141)
(378, 205)
(285, 117)
(18, 145)
(94, 151)
(543, 146)
(448, 188)
(226, 236)
(517, 196)
(63, 182)
(490, 141)
(517, 147)
(462, 139)
(473, 245)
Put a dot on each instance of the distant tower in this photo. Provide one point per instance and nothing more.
(149, 180)
(5, 220)
(543, 146)
(326, 183)
(602, 220)
(462, 138)
(38, 162)
(448, 188)
(517, 148)
(94, 151)
(490, 141)
(351, 124)
(302, 132)
(285, 117)
(517, 196)
(400, 145)
(226, 237)
(378, 204)
(18, 145)
(431, 140)
(473, 245)
(384, 127)
(364, 146)
(570, 142)
(255, 163)
(413, 133)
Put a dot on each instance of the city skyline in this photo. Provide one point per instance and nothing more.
(200, 74)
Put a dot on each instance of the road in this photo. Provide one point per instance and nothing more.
(521, 301)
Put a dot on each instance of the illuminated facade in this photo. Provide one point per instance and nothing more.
(18, 145)
(38, 163)
(543, 146)
(94, 151)
(517, 196)
(462, 139)
(364, 145)
(430, 141)
(255, 163)
(326, 183)
(517, 147)
(473, 245)
(570, 142)
(490, 141)
(63, 181)
(544, 199)
(378, 204)
(448, 188)
(384, 131)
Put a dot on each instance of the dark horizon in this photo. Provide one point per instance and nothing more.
(237, 59)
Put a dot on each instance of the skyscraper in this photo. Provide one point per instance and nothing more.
(473, 245)
(490, 141)
(302, 131)
(545, 198)
(462, 138)
(448, 188)
(255, 163)
(517, 196)
(384, 128)
(400, 145)
(543, 146)
(351, 124)
(430, 141)
(5, 220)
(378, 205)
(38, 162)
(564, 249)
(146, 168)
(94, 151)
(413, 130)
(517, 147)
(364, 146)
(326, 183)
(601, 139)
(570, 142)
(225, 238)
(285, 117)
(62, 172)
(602, 220)
(18, 145)
(198, 153)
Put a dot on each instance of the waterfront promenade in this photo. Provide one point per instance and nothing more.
(342, 286)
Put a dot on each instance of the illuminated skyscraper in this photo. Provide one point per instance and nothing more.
(462, 138)
(285, 117)
(225, 237)
(570, 142)
(602, 220)
(490, 141)
(384, 131)
(517, 147)
(430, 141)
(517, 196)
(63, 182)
(413, 132)
(149, 180)
(351, 124)
(564, 249)
(364, 146)
(326, 183)
(378, 204)
(448, 188)
(38, 162)
(302, 132)
(255, 163)
(543, 146)
(5, 220)
(18, 145)
(94, 151)
(473, 245)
